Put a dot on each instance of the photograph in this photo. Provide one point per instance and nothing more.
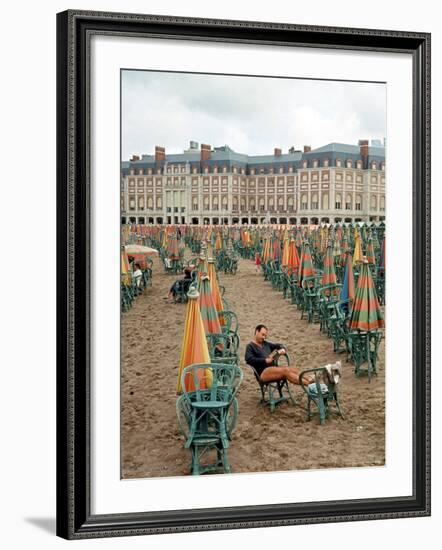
(253, 273)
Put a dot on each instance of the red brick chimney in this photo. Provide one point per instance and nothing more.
(206, 152)
(363, 151)
(277, 152)
(160, 153)
(307, 148)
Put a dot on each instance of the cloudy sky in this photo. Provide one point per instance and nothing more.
(252, 115)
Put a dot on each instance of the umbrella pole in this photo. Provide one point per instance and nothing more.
(368, 356)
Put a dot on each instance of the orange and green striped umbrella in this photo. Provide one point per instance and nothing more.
(218, 242)
(306, 268)
(216, 295)
(209, 314)
(293, 262)
(194, 349)
(370, 253)
(366, 313)
(382, 258)
(172, 248)
(329, 275)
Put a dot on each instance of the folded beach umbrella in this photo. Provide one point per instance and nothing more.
(370, 252)
(125, 275)
(209, 313)
(194, 348)
(329, 275)
(382, 258)
(366, 313)
(348, 285)
(357, 254)
(218, 242)
(293, 262)
(285, 253)
(216, 295)
(306, 268)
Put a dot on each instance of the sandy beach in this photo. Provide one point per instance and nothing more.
(152, 444)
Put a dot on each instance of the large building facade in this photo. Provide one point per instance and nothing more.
(333, 183)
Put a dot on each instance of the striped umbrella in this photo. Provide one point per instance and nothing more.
(285, 253)
(348, 286)
(306, 268)
(293, 262)
(194, 349)
(209, 314)
(329, 275)
(370, 253)
(218, 242)
(366, 314)
(172, 248)
(216, 295)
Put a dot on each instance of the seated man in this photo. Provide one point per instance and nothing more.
(261, 355)
(181, 285)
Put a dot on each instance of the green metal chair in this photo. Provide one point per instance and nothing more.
(278, 391)
(207, 413)
(363, 349)
(322, 394)
(223, 348)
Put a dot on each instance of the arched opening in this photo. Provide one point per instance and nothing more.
(195, 221)
(160, 220)
(304, 221)
(325, 220)
(123, 220)
(292, 221)
(235, 220)
(150, 220)
(273, 220)
(338, 220)
(215, 221)
(314, 221)
(206, 221)
(244, 220)
(262, 220)
(132, 219)
(348, 220)
(254, 221)
(358, 219)
(141, 220)
(226, 221)
(283, 220)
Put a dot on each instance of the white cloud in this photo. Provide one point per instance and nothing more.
(250, 114)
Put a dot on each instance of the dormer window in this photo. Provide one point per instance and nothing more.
(315, 163)
(304, 164)
(349, 163)
(338, 163)
(326, 162)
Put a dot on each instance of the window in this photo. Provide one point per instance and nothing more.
(304, 204)
(235, 202)
(206, 202)
(194, 170)
(348, 202)
(149, 171)
(140, 172)
(281, 169)
(194, 203)
(224, 202)
(215, 203)
(315, 202)
(315, 163)
(243, 204)
(131, 203)
(252, 171)
(215, 169)
(373, 202)
(149, 203)
(349, 164)
(159, 202)
(359, 164)
(206, 169)
(261, 170)
(304, 164)
(140, 203)
(325, 201)
(382, 203)
(271, 203)
(326, 162)
(374, 165)
(290, 203)
(338, 163)
(224, 169)
(261, 204)
(358, 204)
(338, 200)
(280, 203)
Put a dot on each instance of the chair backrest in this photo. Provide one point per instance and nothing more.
(211, 381)
(230, 320)
(321, 376)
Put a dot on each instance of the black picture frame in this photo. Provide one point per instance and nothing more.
(74, 518)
